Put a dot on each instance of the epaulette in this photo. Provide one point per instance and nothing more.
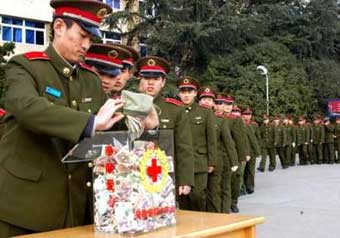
(174, 101)
(2, 112)
(88, 67)
(36, 55)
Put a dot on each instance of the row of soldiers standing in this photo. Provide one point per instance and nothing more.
(315, 143)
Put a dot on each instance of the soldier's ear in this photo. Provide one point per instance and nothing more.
(163, 81)
(59, 27)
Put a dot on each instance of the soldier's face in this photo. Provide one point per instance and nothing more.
(71, 43)
(207, 101)
(126, 75)
(111, 83)
(246, 117)
(337, 121)
(228, 107)
(151, 86)
(187, 96)
(276, 122)
(219, 107)
(266, 121)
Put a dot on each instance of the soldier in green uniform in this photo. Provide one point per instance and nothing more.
(328, 146)
(239, 134)
(152, 72)
(337, 139)
(249, 171)
(227, 150)
(317, 139)
(310, 144)
(280, 141)
(288, 130)
(202, 122)
(267, 145)
(302, 141)
(294, 138)
(50, 104)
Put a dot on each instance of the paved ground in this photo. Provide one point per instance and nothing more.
(299, 202)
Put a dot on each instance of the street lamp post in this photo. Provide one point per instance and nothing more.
(264, 72)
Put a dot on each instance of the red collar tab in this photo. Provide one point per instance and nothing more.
(79, 14)
(36, 55)
(174, 101)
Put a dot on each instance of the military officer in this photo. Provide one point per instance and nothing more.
(280, 141)
(288, 130)
(302, 141)
(202, 122)
(227, 150)
(328, 146)
(337, 139)
(249, 171)
(51, 103)
(152, 71)
(267, 145)
(317, 139)
(239, 134)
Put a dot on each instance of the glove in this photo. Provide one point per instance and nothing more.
(234, 168)
(184, 190)
(248, 158)
(210, 169)
(293, 144)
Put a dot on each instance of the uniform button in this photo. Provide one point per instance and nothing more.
(66, 71)
(164, 126)
(74, 103)
(88, 184)
(90, 164)
(71, 78)
(69, 176)
(89, 110)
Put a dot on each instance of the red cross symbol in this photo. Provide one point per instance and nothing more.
(154, 170)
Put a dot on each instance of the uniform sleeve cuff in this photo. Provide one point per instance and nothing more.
(89, 129)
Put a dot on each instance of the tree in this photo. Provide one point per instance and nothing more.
(5, 50)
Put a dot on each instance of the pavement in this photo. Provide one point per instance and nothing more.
(299, 202)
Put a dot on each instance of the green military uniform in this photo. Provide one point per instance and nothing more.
(294, 147)
(239, 135)
(310, 144)
(288, 130)
(49, 103)
(280, 143)
(328, 146)
(172, 116)
(302, 141)
(203, 131)
(337, 140)
(249, 172)
(267, 147)
(317, 139)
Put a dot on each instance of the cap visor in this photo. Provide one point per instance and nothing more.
(151, 74)
(93, 30)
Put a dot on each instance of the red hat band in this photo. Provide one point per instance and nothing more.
(153, 69)
(207, 94)
(104, 59)
(78, 14)
(128, 61)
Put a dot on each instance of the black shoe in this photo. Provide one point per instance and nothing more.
(250, 191)
(285, 167)
(292, 164)
(234, 209)
(271, 169)
(260, 169)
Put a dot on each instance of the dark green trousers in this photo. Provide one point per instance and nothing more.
(288, 154)
(226, 189)
(197, 198)
(272, 160)
(9, 230)
(329, 152)
(303, 154)
(249, 174)
(281, 151)
(317, 153)
(236, 179)
(214, 191)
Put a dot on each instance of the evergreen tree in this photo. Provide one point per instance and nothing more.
(5, 50)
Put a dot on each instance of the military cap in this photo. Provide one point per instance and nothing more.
(152, 66)
(87, 13)
(220, 98)
(134, 55)
(229, 99)
(236, 109)
(206, 91)
(106, 58)
(188, 82)
(247, 111)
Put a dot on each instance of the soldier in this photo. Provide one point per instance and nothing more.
(107, 60)
(317, 139)
(51, 101)
(302, 141)
(202, 122)
(249, 171)
(227, 150)
(239, 134)
(294, 138)
(337, 139)
(328, 146)
(152, 71)
(280, 141)
(288, 130)
(267, 145)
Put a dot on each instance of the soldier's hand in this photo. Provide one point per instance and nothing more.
(293, 144)
(151, 120)
(248, 158)
(234, 168)
(184, 190)
(107, 115)
(210, 169)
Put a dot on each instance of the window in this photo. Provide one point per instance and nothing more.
(147, 9)
(112, 37)
(22, 31)
(113, 3)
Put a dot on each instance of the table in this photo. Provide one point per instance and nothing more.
(189, 224)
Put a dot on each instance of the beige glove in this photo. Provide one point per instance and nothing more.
(234, 168)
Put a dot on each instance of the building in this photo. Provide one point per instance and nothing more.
(27, 23)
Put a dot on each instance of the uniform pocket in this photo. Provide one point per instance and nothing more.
(21, 170)
(90, 107)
